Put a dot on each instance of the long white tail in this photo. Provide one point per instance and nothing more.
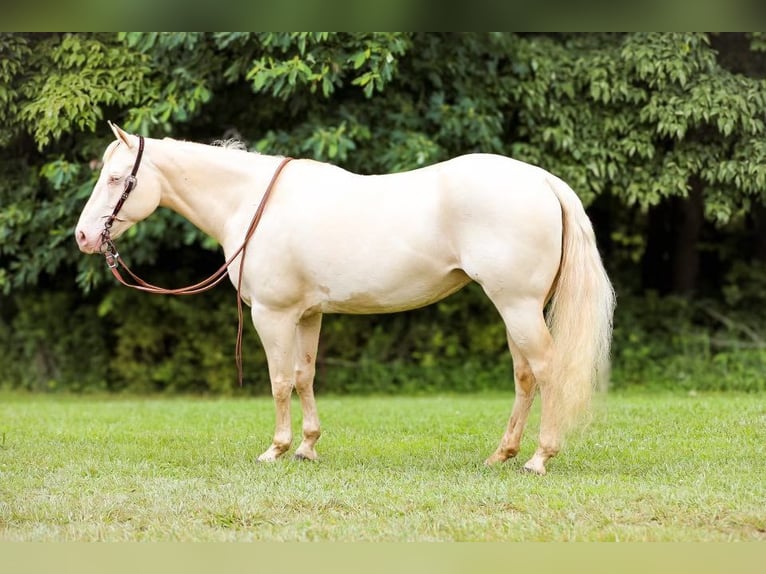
(580, 311)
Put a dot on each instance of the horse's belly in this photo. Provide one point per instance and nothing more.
(412, 293)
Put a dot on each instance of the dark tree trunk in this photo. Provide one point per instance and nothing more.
(689, 217)
(655, 266)
(671, 261)
(759, 232)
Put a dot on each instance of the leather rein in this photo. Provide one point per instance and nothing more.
(114, 261)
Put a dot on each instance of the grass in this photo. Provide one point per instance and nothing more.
(659, 467)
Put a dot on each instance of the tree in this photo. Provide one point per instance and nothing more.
(660, 134)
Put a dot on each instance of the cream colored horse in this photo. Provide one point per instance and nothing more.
(332, 241)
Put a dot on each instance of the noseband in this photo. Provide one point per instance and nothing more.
(113, 259)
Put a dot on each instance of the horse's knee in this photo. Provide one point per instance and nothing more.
(281, 389)
(304, 377)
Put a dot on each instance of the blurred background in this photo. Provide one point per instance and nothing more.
(662, 135)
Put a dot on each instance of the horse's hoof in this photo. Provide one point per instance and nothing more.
(528, 469)
(266, 458)
(499, 458)
(303, 457)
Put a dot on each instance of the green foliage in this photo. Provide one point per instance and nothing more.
(322, 61)
(162, 344)
(639, 116)
(677, 343)
(138, 343)
(14, 53)
(632, 121)
(184, 67)
(51, 340)
(634, 116)
(68, 79)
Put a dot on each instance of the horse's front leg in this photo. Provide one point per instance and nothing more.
(277, 333)
(307, 342)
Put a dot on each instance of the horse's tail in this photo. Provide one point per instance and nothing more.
(579, 313)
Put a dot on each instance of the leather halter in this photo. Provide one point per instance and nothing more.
(113, 259)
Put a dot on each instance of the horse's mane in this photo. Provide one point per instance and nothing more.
(234, 144)
(230, 143)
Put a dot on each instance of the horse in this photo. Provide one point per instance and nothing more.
(333, 241)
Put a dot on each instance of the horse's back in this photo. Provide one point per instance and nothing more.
(398, 241)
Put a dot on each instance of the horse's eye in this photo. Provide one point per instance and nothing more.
(114, 179)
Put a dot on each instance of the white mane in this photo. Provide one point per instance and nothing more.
(231, 143)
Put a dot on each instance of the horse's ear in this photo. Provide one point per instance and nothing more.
(121, 134)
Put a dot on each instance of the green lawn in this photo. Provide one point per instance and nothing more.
(649, 467)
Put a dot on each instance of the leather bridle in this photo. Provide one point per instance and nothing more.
(107, 245)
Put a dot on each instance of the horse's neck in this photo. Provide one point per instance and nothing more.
(210, 186)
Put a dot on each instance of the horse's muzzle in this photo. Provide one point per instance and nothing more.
(87, 243)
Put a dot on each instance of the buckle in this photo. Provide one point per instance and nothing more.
(111, 259)
(109, 249)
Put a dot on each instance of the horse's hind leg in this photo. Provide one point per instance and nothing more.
(525, 385)
(529, 333)
(307, 341)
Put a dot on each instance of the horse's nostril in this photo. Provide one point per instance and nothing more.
(81, 239)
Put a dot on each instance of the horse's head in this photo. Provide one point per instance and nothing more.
(144, 197)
